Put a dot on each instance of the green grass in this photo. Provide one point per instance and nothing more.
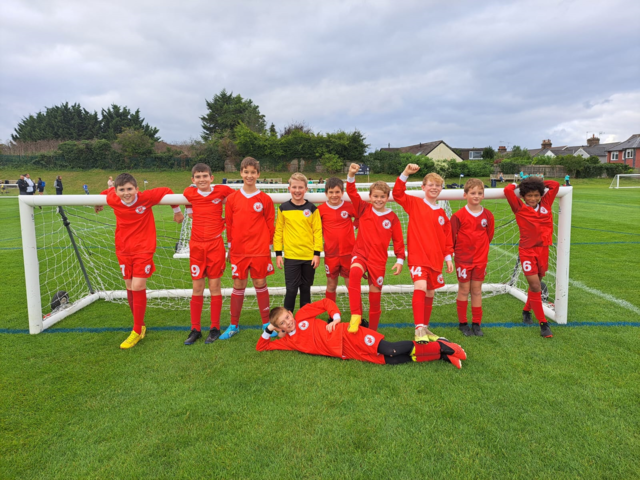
(72, 405)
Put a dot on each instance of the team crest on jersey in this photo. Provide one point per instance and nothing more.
(344, 214)
(544, 210)
(440, 279)
(269, 268)
(441, 220)
(258, 207)
(369, 340)
(386, 224)
(303, 325)
(141, 209)
(379, 281)
(483, 222)
(216, 200)
(307, 212)
(147, 269)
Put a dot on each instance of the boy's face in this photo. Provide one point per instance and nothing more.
(378, 199)
(127, 192)
(297, 189)
(202, 180)
(431, 189)
(286, 323)
(532, 198)
(334, 196)
(474, 196)
(250, 175)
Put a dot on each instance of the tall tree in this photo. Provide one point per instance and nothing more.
(117, 119)
(60, 122)
(225, 112)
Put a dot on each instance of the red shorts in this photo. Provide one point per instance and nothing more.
(337, 266)
(375, 272)
(434, 278)
(362, 345)
(258, 267)
(466, 273)
(206, 259)
(534, 261)
(139, 266)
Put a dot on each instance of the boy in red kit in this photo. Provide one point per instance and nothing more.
(429, 242)
(250, 227)
(535, 221)
(337, 231)
(308, 334)
(206, 247)
(472, 228)
(377, 226)
(135, 242)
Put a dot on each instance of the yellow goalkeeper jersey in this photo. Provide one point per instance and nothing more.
(298, 231)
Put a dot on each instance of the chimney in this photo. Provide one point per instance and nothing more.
(593, 141)
(546, 144)
(502, 149)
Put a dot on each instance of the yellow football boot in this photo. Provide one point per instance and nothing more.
(133, 339)
(354, 323)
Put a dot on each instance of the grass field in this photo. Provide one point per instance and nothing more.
(72, 405)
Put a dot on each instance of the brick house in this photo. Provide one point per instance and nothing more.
(627, 152)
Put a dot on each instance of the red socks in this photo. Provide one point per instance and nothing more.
(330, 295)
(417, 303)
(216, 308)
(535, 299)
(476, 315)
(263, 303)
(139, 308)
(428, 306)
(130, 300)
(374, 310)
(195, 307)
(461, 306)
(355, 291)
(427, 352)
(237, 298)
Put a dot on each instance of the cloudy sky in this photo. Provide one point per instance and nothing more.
(472, 73)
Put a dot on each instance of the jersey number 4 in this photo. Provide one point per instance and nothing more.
(462, 272)
(416, 271)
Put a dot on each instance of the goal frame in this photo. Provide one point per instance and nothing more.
(32, 271)
(616, 180)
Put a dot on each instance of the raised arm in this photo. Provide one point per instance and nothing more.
(312, 310)
(400, 187)
(266, 345)
(550, 194)
(510, 193)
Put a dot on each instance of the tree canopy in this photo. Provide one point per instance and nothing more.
(226, 111)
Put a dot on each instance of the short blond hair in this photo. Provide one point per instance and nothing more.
(275, 314)
(380, 185)
(472, 183)
(298, 177)
(434, 177)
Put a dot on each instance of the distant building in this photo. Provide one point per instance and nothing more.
(627, 152)
(593, 148)
(437, 150)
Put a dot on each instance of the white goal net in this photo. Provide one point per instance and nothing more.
(626, 180)
(70, 257)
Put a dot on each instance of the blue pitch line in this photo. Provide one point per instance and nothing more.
(382, 325)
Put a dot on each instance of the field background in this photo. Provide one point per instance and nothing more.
(72, 405)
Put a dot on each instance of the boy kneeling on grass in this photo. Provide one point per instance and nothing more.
(307, 334)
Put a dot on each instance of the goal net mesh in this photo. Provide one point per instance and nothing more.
(169, 287)
(628, 180)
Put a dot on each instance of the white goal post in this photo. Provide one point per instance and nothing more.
(629, 180)
(43, 245)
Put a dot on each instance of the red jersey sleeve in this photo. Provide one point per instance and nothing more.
(312, 310)
(267, 345)
(455, 227)
(448, 245)
(269, 216)
(359, 206)
(228, 215)
(550, 195)
(512, 198)
(156, 194)
(104, 192)
(399, 194)
(491, 224)
(398, 241)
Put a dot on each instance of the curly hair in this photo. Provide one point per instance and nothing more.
(531, 184)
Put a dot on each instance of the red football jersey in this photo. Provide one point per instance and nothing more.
(375, 230)
(337, 229)
(250, 223)
(208, 222)
(535, 224)
(429, 230)
(472, 233)
(311, 336)
(135, 226)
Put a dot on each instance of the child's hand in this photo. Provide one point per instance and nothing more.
(353, 169)
(410, 169)
(190, 215)
(316, 261)
(332, 325)
(98, 208)
(178, 217)
(397, 268)
(449, 266)
(279, 262)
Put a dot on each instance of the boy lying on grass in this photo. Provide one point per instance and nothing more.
(307, 334)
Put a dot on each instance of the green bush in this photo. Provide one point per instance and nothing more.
(332, 163)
